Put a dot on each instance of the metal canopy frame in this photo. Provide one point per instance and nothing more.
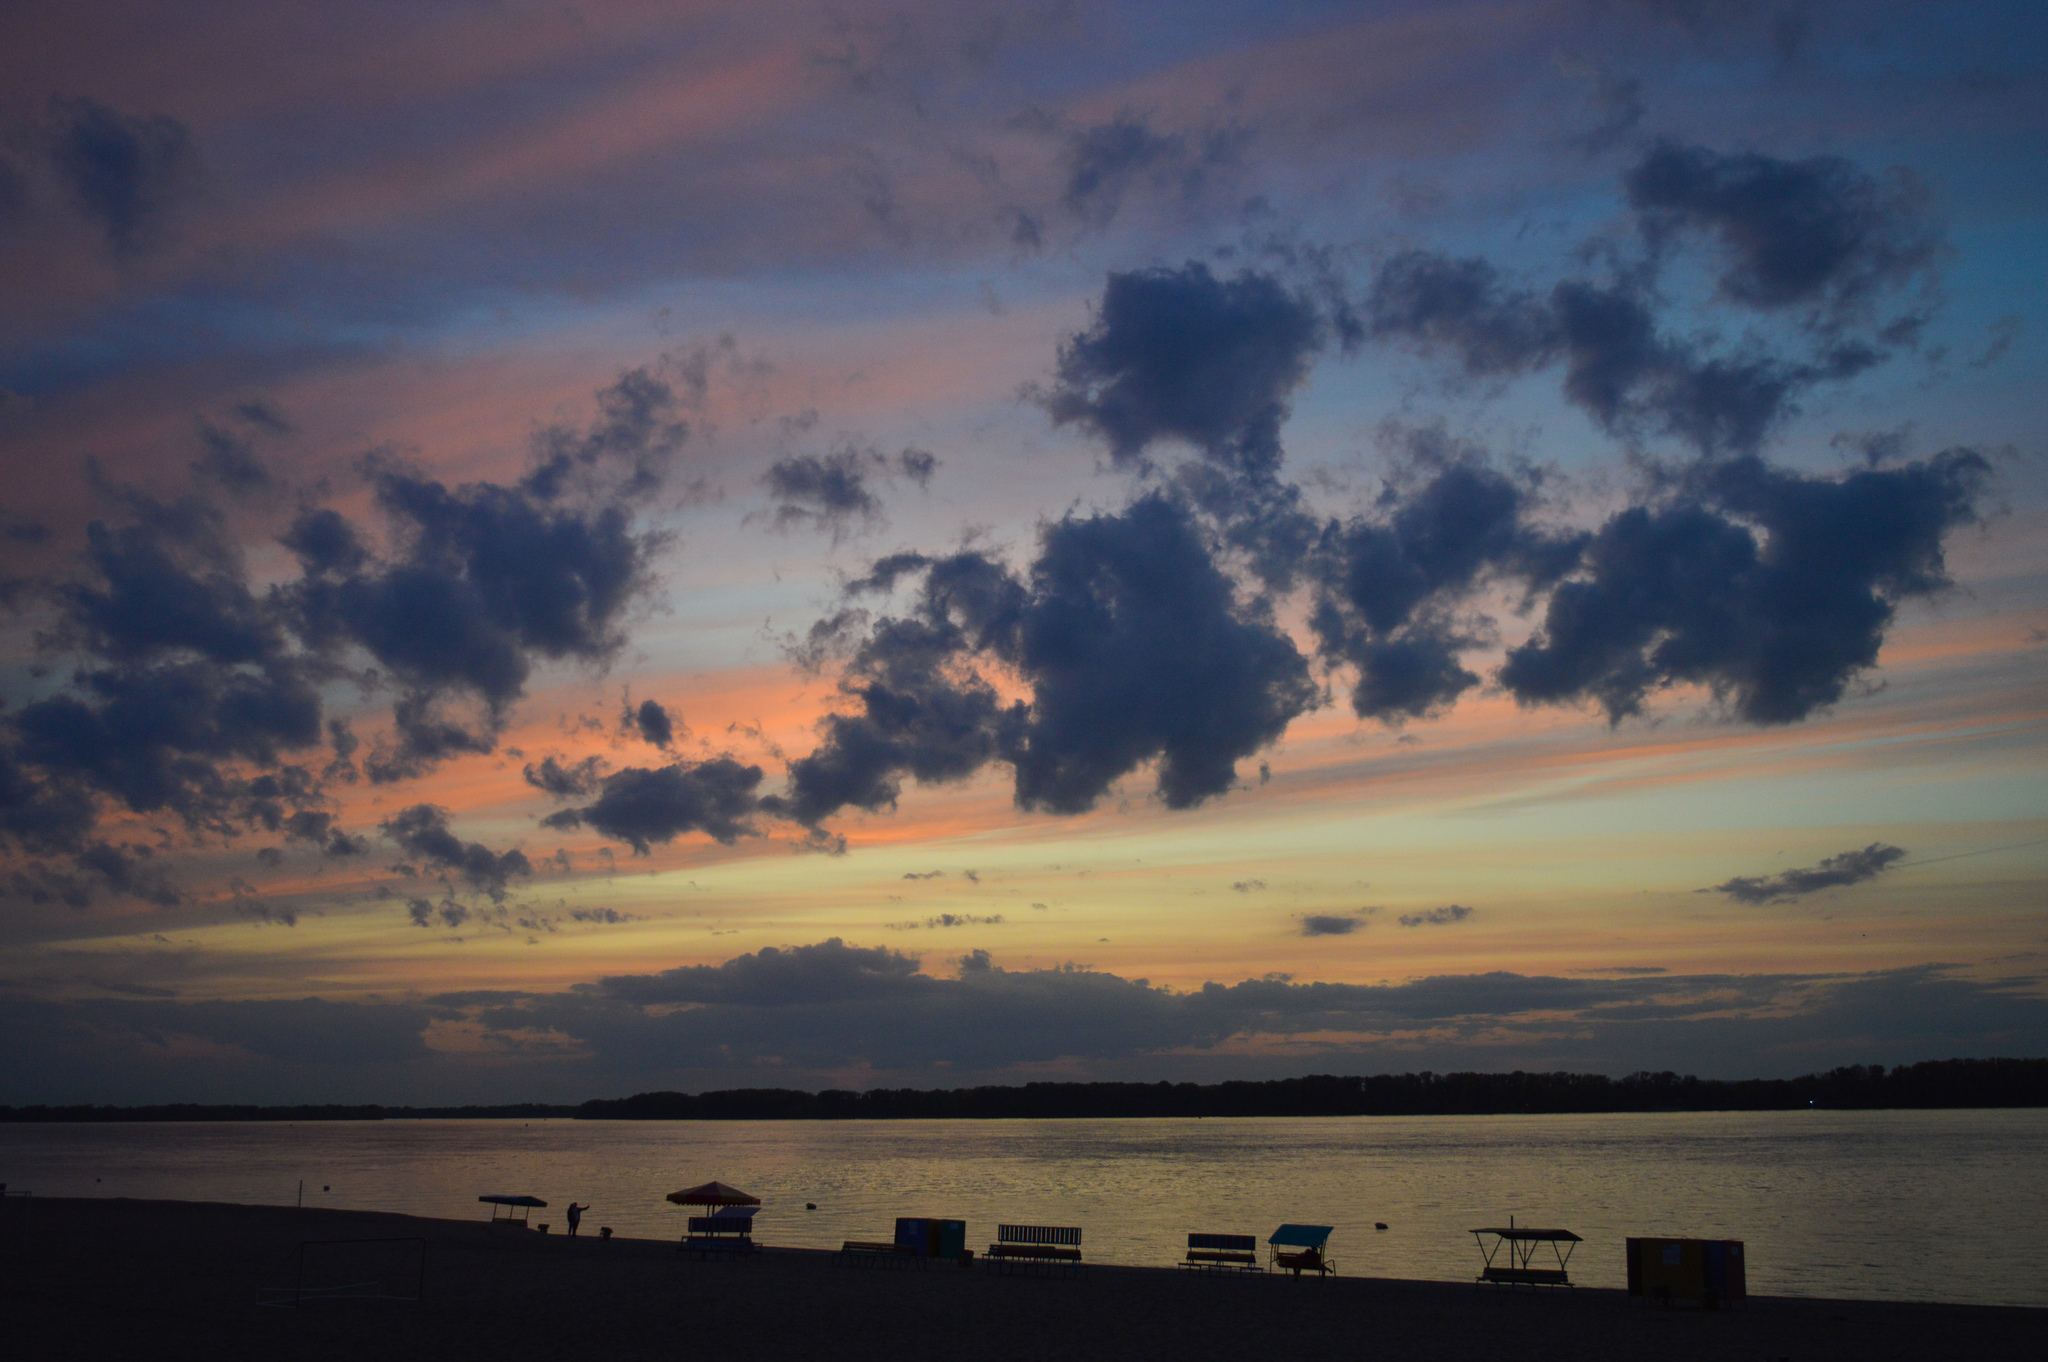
(1522, 1245)
(512, 1210)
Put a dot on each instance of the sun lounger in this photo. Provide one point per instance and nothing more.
(1036, 1248)
(1222, 1253)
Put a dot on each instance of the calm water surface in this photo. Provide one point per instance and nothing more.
(1921, 1205)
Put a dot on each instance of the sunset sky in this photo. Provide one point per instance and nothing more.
(557, 550)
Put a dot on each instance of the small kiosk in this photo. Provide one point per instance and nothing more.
(1521, 1264)
(1704, 1272)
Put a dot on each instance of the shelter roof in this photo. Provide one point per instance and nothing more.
(1300, 1236)
(713, 1194)
(1516, 1232)
(499, 1199)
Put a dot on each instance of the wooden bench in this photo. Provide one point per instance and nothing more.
(874, 1253)
(1525, 1276)
(718, 1236)
(1222, 1253)
(1041, 1248)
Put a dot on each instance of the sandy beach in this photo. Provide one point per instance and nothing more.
(112, 1278)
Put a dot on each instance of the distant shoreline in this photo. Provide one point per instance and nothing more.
(1951, 1084)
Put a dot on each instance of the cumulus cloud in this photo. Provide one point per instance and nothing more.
(642, 806)
(1179, 354)
(1819, 238)
(193, 694)
(1849, 867)
(565, 780)
(422, 830)
(1619, 367)
(653, 723)
(1134, 646)
(1331, 924)
(1772, 589)
(1819, 234)
(1389, 583)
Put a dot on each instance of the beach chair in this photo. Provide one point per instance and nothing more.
(1037, 1248)
(1222, 1253)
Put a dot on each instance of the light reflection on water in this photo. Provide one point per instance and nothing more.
(1917, 1205)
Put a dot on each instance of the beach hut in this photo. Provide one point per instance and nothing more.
(511, 1210)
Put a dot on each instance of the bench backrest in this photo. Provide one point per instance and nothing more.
(721, 1224)
(1226, 1243)
(1039, 1234)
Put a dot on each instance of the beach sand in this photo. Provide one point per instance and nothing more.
(153, 1279)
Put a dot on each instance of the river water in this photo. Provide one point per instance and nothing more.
(1936, 1205)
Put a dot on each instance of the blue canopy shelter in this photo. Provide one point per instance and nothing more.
(1300, 1248)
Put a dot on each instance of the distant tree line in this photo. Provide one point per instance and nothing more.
(1946, 1083)
(1938, 1083)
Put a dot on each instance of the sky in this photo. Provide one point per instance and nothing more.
(558, 550)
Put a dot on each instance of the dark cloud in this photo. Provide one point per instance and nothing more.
(1850, 867)
(190, 678)
(565, 781)
(828, 491)
(640, 806)
(1772, 589)
(825, 1006)
(832, 492)
(921, 712)
(490, 578)
(828, 972)
(130, 174)
(1819, 234)
(1106, 162)
(1436, 917)
(1618, 367)
(1388, 584)
(319, 828)
(627, 448)
(813, 1011)
(422, 830)
(654, 724)
(1329, 924)
(1819, 237)
(230, 463)
(1133, 644)
(1178, 354)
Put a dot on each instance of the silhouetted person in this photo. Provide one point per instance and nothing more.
(575, 1217)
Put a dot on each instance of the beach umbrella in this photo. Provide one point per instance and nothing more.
(713, 1194)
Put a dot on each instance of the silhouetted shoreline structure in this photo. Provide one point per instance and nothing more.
(1933, 1085)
